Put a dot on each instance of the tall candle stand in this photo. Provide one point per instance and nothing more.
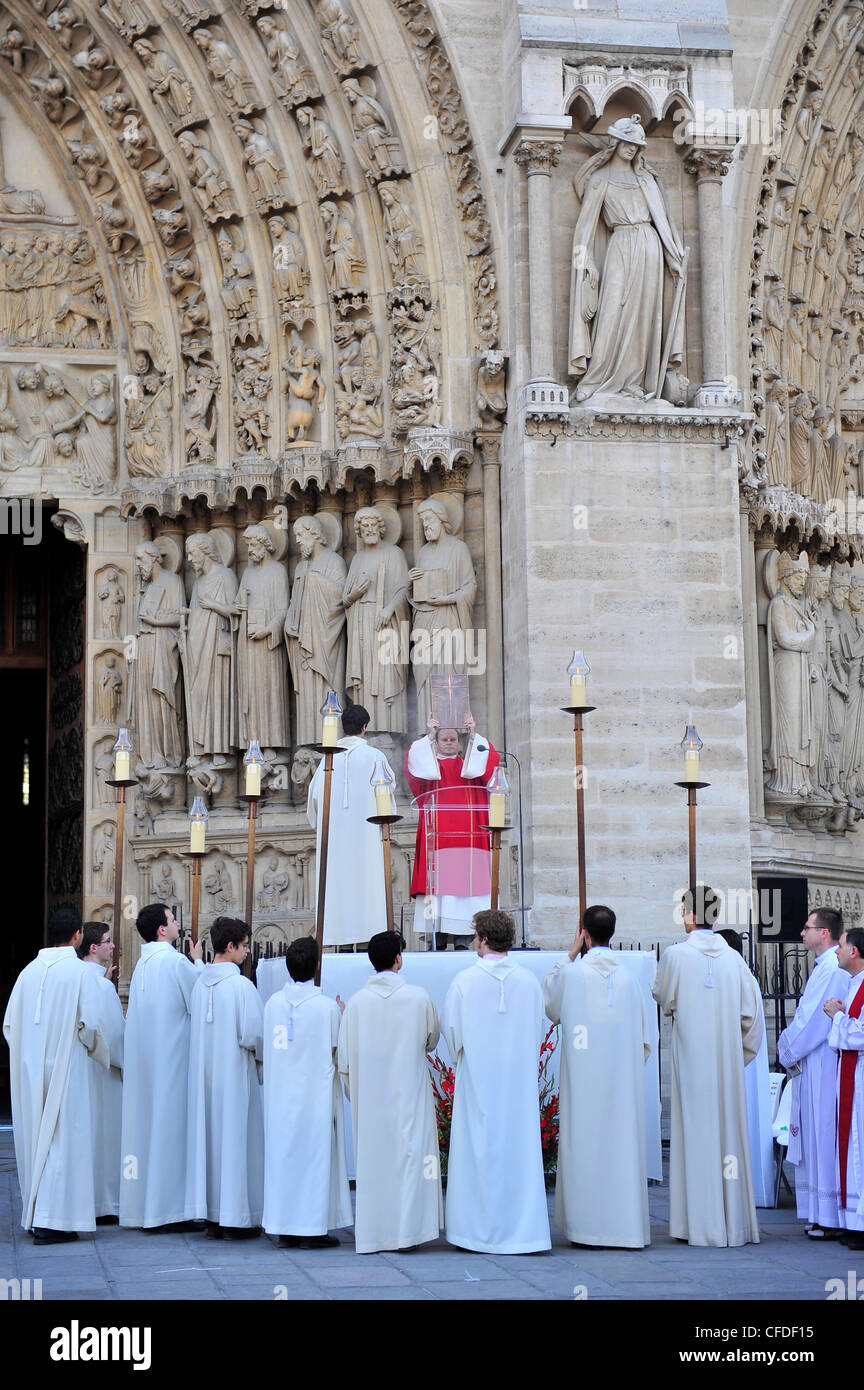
(118, 868)
(691, 789)
(252, 802)
(328, 750)
(385, 823)
(578, 711)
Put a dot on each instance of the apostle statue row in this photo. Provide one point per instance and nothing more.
(211, 674)
(815, 649)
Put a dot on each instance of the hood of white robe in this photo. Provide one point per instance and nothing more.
(385, 983)
(299, 993)
(602, 959)
(212, 976)
(708, 942)
(499, 968)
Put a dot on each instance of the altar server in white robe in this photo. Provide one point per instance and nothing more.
(306, 1191)
(605, 1042)
(716, 1029)
(493, 1025)
(760, 1117)
(847, 1040)
(225, 1161)
(106, 1086)
(803, 1050)
(53, 1028)
(155, 1075)
(355, 908)
(387, 1029)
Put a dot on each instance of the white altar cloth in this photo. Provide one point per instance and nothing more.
(346, 972)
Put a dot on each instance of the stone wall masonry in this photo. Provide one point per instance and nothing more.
(650, 589)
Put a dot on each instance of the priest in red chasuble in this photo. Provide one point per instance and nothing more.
(451, 879)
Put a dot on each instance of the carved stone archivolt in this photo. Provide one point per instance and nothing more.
(806, 303)
(132, 107)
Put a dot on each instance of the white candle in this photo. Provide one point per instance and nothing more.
(497, 807)
(691, 765)
(121, 767)
(577, 692)
(196, 837)
(382, 802)
(253, 779)
(330, 736)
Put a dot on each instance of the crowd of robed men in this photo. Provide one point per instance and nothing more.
(207, 1110)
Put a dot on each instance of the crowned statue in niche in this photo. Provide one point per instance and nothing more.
(627, 274)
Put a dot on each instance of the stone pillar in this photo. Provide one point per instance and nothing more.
(490, 445)
(538, 158)
(709, 166)
(751, 663)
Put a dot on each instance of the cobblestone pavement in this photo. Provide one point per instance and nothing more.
(119, 1264)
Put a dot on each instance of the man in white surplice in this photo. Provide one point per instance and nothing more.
(606, 1040)
(52, 1026)
(493, 1025)
(803, 1050)
(225, 1155)
(155, 1075)
(306, 1191)
(716, 1029)
(106, 1086)
(355, 908)
(847, 1040)
(387, 1029)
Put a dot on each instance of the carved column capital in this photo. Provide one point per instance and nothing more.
(708, 164)
(538, 156)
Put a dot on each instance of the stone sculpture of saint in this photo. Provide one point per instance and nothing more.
(208, 665)
(218, 885)
(109, 691)
(791, 634)
(376, 602)
(262, 677)
(818, 582)
(626, 315)
(103, 860)
(315, 626)
(851, 750)
(164, 889)
(111, 598)
(442, 596)
(156, 694)
(841, 634)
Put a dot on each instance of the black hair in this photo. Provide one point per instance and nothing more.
(354, 719)
(62, 926)
(302, 958)
(150, 919)
(599, 922)
(384, 948)
(225, 932)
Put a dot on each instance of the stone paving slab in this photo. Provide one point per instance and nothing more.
(120, 1264)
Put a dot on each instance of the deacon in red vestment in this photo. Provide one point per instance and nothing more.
(451, 878)
(847, 1038)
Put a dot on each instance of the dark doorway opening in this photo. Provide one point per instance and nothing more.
(41, 779)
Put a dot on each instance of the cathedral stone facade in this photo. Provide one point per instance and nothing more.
(347, 342)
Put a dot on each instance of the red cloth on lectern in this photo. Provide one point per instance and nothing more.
(848, 1063)
(459, 807)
